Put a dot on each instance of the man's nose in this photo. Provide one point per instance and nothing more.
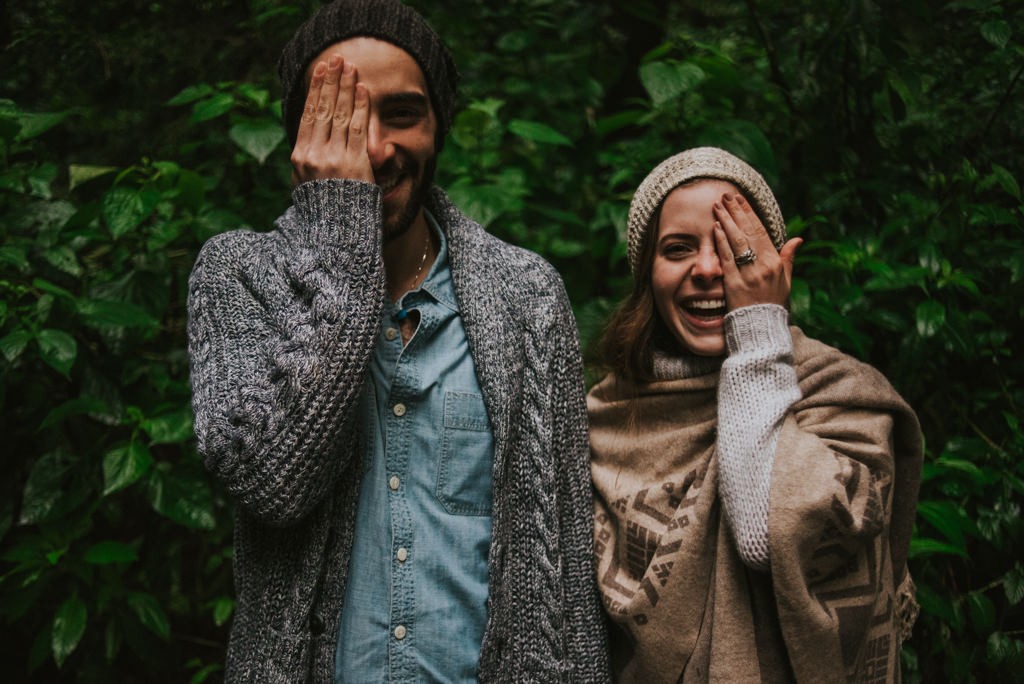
(378, 147)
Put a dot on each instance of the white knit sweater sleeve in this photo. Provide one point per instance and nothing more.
(758, 384)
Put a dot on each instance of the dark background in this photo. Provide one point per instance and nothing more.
(132, 131)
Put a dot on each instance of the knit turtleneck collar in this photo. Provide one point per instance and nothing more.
(677, 365)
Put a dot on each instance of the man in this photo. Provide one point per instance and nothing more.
(393, 397)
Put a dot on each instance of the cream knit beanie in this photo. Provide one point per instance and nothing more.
(700, 162)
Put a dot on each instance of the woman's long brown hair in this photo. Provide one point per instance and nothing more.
(626, 345)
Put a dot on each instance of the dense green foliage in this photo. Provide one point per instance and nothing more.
(131, 132)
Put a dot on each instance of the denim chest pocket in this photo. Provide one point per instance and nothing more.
(464, 473)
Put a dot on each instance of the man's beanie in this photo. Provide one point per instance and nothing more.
(700, 162)
(387, 20)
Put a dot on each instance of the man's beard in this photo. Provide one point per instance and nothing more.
(397, 224)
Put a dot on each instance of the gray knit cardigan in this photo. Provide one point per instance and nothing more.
(281, 328)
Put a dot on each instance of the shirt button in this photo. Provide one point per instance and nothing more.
(399, 410)
(402, 554)
(400, 632)
(391, 333)
(394, 482)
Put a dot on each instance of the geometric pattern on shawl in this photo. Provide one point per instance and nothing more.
(651, 521)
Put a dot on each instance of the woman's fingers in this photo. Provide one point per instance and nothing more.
(788, 255)
(745, 219)
(725, 252)
(753, 271)
(739, 242)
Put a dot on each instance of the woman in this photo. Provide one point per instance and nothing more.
(755, 488)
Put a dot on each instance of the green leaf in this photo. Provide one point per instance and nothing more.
(489, 106)
(485, 203)
(996, 32)
(68, 628)
(74, 407)
(258, 96)
(212, 107)
(191, 94)
(124, 465)
(150, 614)
(746, 140)
(968, 468)
(107, 552)
(47, 286)
(182, 496)
(982, 612)
(35, 124)
(477, 129)
(124, 208)
(58, 349)
(613, 122)
(1013, 584)
(947, 518)
(928, 547)
(48, 217)
(1006, 181)
(216, 221)
(223, 606)
(204, 673)
(43, 489)
(64, 258)
(660, 82)
(257, 138)
(170, 428)
(41, 178)
(516, 41)
(111, 641)
(666, 81)
(1002, 648)
(537, 132)
(83, 173)
(98, 313)
(931, 316)
(15, 256)
(13, 344)
(561, 247)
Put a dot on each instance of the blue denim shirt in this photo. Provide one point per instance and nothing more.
(415, 605)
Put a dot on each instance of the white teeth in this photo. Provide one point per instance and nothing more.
(389, 184)
(706, 304)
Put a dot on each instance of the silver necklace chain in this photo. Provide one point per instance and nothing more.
(423, 260)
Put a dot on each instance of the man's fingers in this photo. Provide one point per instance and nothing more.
(305, 132)
(335, 125)
(359, 160)
(328, 97)
(343, 107)
(360, 120)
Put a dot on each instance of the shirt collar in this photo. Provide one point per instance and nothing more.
(438, 283)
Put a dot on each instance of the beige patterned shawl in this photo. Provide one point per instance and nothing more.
(836, 602)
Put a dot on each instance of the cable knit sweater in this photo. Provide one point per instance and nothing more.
(281, 328)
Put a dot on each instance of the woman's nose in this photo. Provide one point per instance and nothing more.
(708, 265)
